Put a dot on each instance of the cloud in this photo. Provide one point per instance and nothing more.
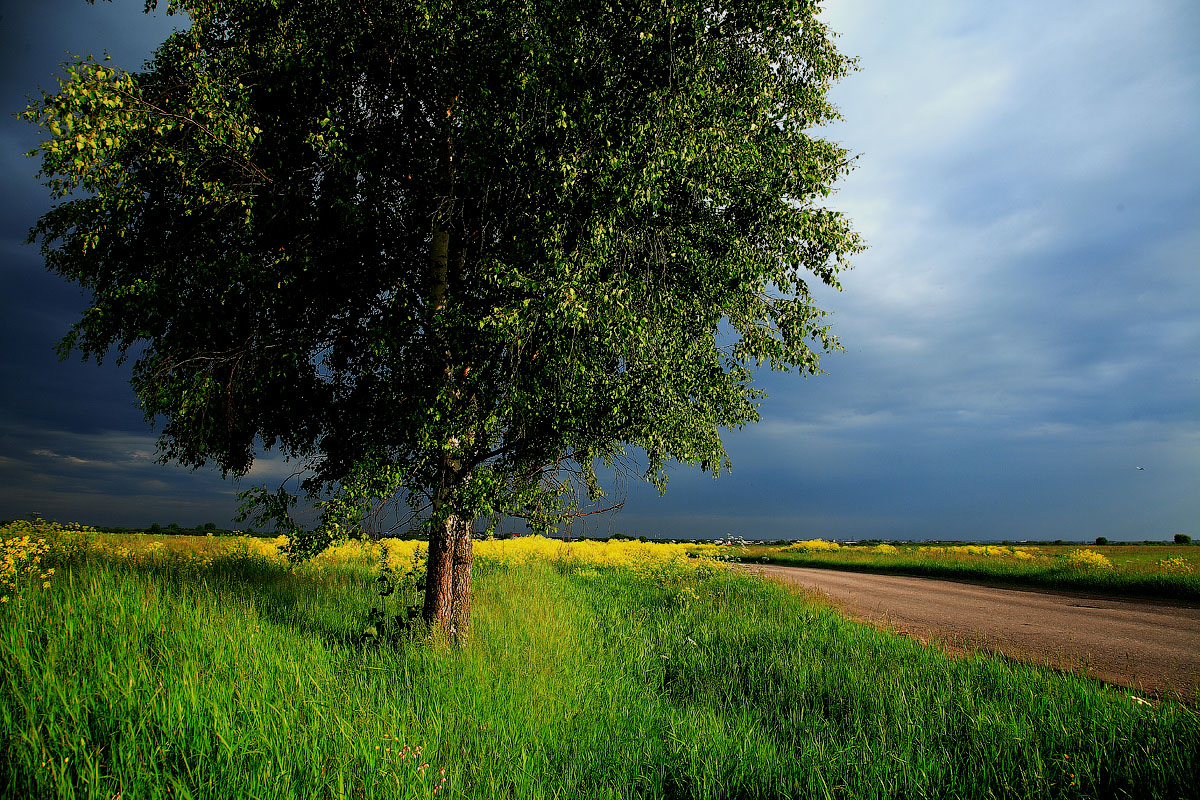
(1022, 332)
(271, 467)
(114, 450)
(109, 477)
(1024, 189)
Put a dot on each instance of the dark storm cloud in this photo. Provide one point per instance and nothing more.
(73, 444)
(1025, 329)
(107, 477)
(1022, 334)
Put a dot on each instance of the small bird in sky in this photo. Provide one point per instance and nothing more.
(1142, 468)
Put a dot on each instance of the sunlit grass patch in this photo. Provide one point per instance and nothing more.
(583, 679)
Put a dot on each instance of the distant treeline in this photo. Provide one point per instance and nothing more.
(1179, 538)
(173, 529)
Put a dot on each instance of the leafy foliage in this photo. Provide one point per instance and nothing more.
(458, 254)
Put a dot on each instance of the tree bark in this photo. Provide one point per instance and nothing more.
(439, 575)
(439, 571)
(464, 557)
(448, 578)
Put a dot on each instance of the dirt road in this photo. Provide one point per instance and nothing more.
(1146, 645)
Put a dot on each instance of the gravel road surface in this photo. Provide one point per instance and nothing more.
(1150, 646)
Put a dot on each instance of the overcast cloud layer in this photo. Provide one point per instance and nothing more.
(1022, 334)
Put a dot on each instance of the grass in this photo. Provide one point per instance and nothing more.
(616, 671)
(1154, 571)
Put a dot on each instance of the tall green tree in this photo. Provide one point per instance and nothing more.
(455, 252)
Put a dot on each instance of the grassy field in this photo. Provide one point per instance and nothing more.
(1162, 571)
(208, 668)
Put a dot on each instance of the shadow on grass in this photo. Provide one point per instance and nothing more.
(340, 608)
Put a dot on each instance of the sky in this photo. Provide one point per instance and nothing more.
(1022, 334)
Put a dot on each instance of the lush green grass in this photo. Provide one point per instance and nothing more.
(1160, 571)
(242, 679)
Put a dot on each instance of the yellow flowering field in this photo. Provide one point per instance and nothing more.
(641, 557)
(635, 555)
(984, 550)
(30, 551)
(27, 548)
(812, 546)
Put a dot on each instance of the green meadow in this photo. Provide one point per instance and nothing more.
(214, 669)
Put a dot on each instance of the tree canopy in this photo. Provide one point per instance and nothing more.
(456, 252)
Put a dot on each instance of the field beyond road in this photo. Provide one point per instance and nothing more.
(1157, 571)
(1149, 646)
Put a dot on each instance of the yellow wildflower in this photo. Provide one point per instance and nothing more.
(812, 546)
(1087, 560)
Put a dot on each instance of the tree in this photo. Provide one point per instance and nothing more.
(461, 254)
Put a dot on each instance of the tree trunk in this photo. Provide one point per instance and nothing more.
(464, 557)
(448, 578)
(448, 571)
(439, 575)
